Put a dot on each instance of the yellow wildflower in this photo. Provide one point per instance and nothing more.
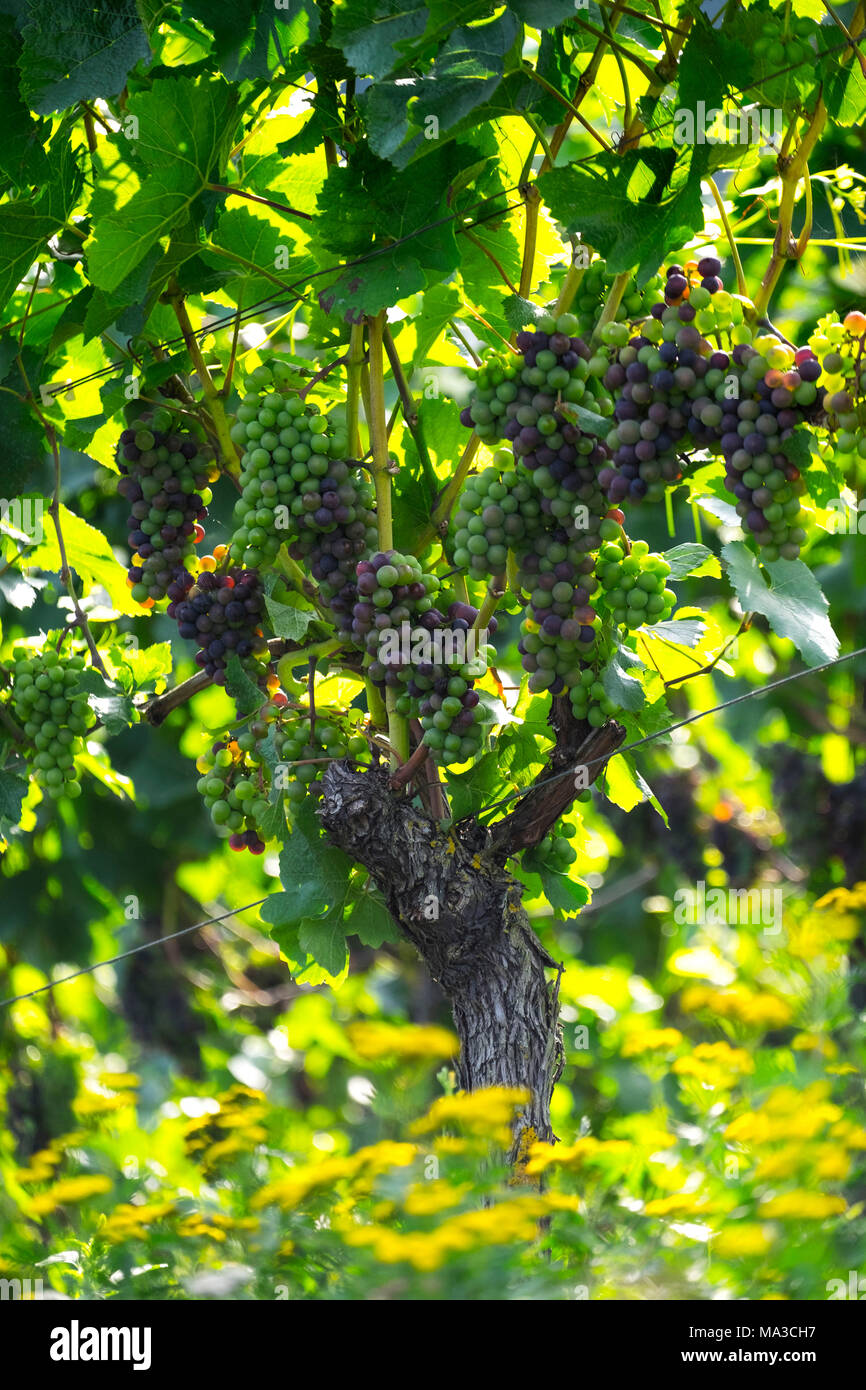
(737, 1002)
(542, 1156)
(119, 1080)
(482, 1112)
(76, 1189)
(716, 1065)
(681, 1204)
(801, 1205)
(852, 1136)
(651, 1040)
(407, 1042)
(424, 1199)
(742, 1238)
(814, 1042)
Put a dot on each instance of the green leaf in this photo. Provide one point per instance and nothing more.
(633, 208)
(115, 711)
(254, 242)
(792, 603)
(371, 921)
(89, 554)
(519, 312)
(691, 558)
(24, 230)
(589, 422)
(22, 444)
(12, 793)
(184, 128)
(245, 693)
(22, 158)
(78, 51)
(147, 664)
(314, 874)
(325, 940)
(566, 894)
(680, 632)
(290, 620)
(625, 690)
(368, 35)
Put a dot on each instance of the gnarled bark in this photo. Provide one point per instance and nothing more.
(454, 900)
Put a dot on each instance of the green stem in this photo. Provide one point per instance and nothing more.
(292, 572)
(375, 704)
(398, 730)
(442, 510)
(378, 428)
(570, 284)
(784, 248)
(495, 591)
(742, 287)
(353, 388)
(410, 410)
(572, 110)
(215, 404)
(611, 304)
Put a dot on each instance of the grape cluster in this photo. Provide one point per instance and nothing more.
(48, 703)
(498, 509)
(439, 688)
(656, 375)
(560, 623)
(392, 589)
(841, 348)
(593, 289)
(775, 393)
(634, 584)
(222, 611)
(166, 468)
(555, 851)
(299, 487)
(494, 389)
(235, 794)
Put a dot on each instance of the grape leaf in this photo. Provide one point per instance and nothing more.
(519, 312)
(289, 620)
(22, 158)
(314, 874)
(623, 689)
(792, 602)
(245, 693)
(76, 51)
(633, 208)
(324, 938)
(682, 632)
(89, 554)
(691, 558)
(184, 128)
(589, 422)
(371, 921)
(12, 793)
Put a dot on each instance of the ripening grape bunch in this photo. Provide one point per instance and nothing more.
(595, 284)
(439, 686)
(234, 791)
(498, 509)
(841, 350)
(48, 703)
(392, 589)
(299, 487)
(560, 625)
(166, 468)
(222, 613)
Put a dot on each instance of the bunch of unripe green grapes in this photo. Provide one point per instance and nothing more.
(841, 350)
(235, 793)
(46, 700)
(293, 471)
(589, 699)
(166, 467)
(593, 289)
(555, 851)
(498, 509)
(634, 584)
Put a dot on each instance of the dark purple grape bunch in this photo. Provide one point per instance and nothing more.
(222, 613)
(332, 558)
(165, 470)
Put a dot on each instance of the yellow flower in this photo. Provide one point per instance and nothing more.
(814, 1042)
(487, 1111)
(376, 1040)
(366, 1163)
(195, 1226)
(424, 1199)
(681, 1204)
(542, 1156)
(852, 1136)
(37, 1172)
(742, 1239)
(716, 1065)
(841, 1069)
(651, 1040)
(738, 1002)
(92, 1103)
(801, 1205)
(76, 1189)
(119, 1080)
